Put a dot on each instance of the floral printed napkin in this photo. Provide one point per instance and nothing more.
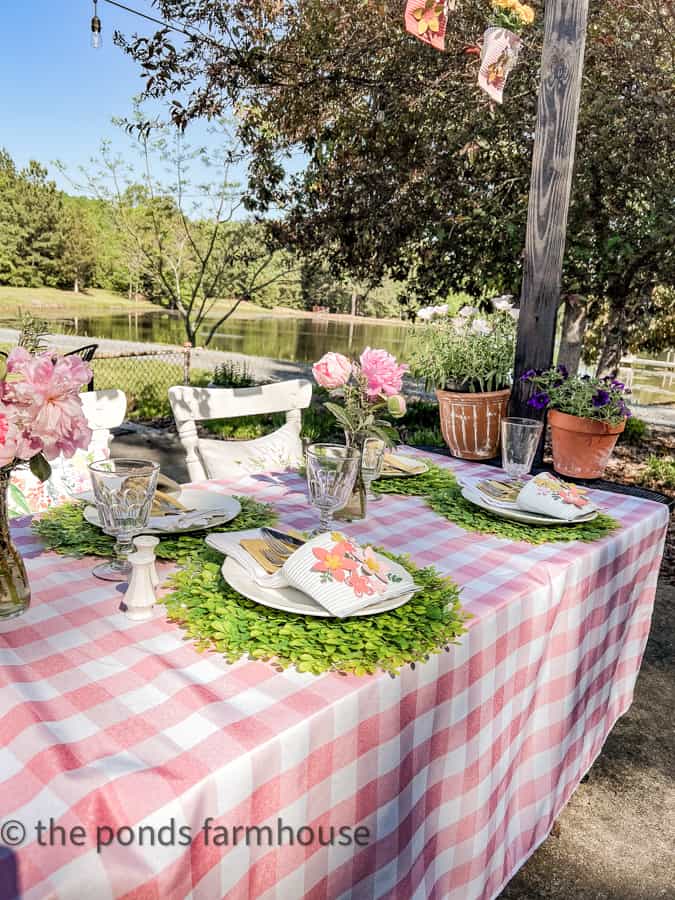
(547, 495)
(336, 572)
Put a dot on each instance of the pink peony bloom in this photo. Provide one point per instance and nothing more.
(4, 427)
(332, 371)
(18, 445)
(384, 376)
(41, 398)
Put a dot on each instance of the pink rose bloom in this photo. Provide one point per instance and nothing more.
(383, 374)
(332, 371)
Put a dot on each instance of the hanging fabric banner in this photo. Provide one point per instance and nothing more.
(500, 54)
(427, 19)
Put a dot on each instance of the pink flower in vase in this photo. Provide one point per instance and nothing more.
(18, 444)
(332, 371)
(4, 427)
(384, 376)
(42, 393)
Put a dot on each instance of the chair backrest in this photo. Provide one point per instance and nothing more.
(216, 459)
(86, 353)
(104, 410)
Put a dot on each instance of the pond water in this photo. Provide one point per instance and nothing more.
(293, 338)
(300, 339)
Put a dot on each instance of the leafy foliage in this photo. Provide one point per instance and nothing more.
(466, 353)
(219, 619)
(442, 493)
(661, 469)
(410, 172)
(64, 530)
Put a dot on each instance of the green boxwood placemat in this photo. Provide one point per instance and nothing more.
(65, 530)
(217, 618)
(442, 493)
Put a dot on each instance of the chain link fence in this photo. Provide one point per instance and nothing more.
(145, 376)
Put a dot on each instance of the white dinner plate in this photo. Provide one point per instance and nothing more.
(521, 515)
(217, 509)
(290, 599)
(388, 472)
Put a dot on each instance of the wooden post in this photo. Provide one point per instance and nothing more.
(552, 164)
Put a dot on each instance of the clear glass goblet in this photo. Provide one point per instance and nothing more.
(520, 439)
(372, 458)
(124, 490)
(332, 470)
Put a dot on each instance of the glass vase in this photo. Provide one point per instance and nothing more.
(14, 588)
(357, 505)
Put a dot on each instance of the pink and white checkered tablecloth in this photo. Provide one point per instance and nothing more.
(458, 768)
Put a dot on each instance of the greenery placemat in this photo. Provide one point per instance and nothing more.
(65, 530)
(442, 493)
(217, 618)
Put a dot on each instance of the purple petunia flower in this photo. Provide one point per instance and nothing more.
(618, 385)
(531, 373)
(539, 401)
(600, 399)
(563, 370)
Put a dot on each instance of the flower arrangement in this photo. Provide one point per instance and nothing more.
(512, 14)
(469, 352)
(578, 395)
(367, 387)
(41, 414)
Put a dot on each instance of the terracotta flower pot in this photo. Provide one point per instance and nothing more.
(471, 422)
(581, 447)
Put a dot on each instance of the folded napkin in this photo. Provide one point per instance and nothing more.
(334, 571)
(547, 495)
(404, 464)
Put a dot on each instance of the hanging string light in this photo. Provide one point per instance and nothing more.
(96, 39)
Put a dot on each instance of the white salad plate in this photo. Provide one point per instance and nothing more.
(211, 510)
(290, 599)
(514, 514)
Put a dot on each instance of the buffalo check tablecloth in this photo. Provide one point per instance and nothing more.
(457, 769)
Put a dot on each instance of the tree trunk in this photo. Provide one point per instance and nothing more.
(355, 301)
(574, 324)
(76, 286)
(613, 349)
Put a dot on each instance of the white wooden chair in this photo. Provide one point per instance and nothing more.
(27, 494)
(208, 458)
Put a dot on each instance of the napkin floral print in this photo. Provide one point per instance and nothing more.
(360, 568)
(570, 494)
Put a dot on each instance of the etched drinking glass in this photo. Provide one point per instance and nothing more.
(520, 439)
(331, 472)
(124, 490)
(372, 458)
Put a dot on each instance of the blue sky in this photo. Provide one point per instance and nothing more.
(58, 94)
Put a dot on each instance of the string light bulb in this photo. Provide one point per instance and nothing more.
(96, 39)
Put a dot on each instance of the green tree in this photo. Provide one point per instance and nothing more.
(77, 260)
(410, 170)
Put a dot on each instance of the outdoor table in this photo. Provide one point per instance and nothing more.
(457, 769)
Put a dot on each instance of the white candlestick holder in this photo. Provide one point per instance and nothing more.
(147, 543)
(139, 599)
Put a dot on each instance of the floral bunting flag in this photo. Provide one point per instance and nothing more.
(499, 55)
(427, 19)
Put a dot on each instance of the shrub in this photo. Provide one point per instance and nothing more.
(232, 375)
(661, 469)
(635, 432)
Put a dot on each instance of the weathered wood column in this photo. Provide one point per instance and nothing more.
(552, 165)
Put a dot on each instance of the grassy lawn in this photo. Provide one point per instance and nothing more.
(44, 301)
(54, 303)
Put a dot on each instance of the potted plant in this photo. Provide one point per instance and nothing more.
(468, 359)
(586, 416)
(361, 392)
